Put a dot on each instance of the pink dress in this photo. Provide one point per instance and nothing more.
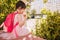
(20, 31)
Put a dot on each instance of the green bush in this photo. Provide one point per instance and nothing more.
(49, 27)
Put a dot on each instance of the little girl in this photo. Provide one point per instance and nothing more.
(15, 25)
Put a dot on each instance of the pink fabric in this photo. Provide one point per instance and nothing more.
(9, 22)
(15, 29)
(16, 33)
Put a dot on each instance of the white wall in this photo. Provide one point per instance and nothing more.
(53, 5)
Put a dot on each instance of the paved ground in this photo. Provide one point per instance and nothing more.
(23, 39)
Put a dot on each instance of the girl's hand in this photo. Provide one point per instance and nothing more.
(25, 16)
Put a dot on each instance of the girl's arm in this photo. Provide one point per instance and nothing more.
(2, 25)
(21, 23)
